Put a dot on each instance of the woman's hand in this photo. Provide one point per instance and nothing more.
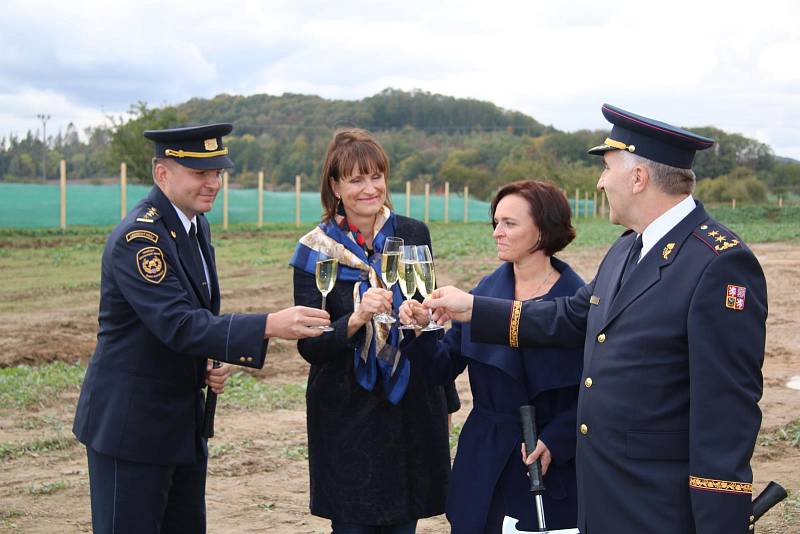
(541, 452)
(374, 301)
(413, 312)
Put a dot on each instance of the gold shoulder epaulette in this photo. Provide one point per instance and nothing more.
(717, 238)
(150, 215)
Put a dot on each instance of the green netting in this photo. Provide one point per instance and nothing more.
(37, 205)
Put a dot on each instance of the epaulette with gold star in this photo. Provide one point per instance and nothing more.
(716, 237)
(149, 215)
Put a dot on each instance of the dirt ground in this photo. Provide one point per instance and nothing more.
(258, 479)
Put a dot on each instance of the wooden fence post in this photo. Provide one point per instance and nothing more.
(594, 205)
(780, 202)
(586, 204)
(63, 183)
(225, 200)
(603, 205)
(123, 190)
(446, 202)
(260, 199)
(577, 203)
(466, 203)
(733, 203)
(427, 202)
(297, 201)
(408, 199)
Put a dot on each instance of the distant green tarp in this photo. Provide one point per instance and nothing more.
(37, 206)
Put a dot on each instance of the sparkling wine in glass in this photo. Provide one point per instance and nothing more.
(390, 261)
(327, 268)
(426, 280)
(407, 278)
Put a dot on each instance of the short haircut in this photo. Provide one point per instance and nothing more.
(671, 180)
(549, 209)
(350, 149)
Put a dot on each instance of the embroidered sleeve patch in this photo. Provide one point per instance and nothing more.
(734, 297)
(144, 234)
(151, 264)
(725, 486)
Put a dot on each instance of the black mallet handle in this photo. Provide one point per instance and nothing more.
(211, 408)
(528, 416)
(772, 495)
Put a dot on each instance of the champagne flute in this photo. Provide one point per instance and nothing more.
(390, 260)
(407, 278)
(327, 268)
(426, 280)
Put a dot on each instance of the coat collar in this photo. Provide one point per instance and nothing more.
(648, 272)
(176, 230)
(537, 369)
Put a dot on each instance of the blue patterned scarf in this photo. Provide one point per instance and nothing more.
(392, 368)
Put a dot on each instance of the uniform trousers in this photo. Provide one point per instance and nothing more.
(132, 497)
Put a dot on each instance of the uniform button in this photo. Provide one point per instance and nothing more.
(588, 382)
(584, 429)
(751, 527)
(601, 338)
(242, 359)
(752, 518)
(249, 358)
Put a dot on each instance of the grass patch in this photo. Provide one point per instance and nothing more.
(791, 507)
(245, 391)
(455, 432)
(296, 452)
(788, 434)
(218, 450)
(25, 386)
(11, 450)
(47, 489)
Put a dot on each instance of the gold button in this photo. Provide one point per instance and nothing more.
(249, 358)
(601, 338)
(584, 429)
(704, 227)
(752, 518)
(242, 359)
(588, 382)
(751, 527)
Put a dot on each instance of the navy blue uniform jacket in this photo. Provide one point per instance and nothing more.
(668, 411)
(488, 464)
(142, 397)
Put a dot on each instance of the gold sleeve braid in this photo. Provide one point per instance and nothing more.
(710, 484)
(513, 328)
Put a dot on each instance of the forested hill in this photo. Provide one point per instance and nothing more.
(390, 109)
(430, 138)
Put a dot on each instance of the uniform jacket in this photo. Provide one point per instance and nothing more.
(370, 462)
(668, 410)
(488, 466)
(142, 397)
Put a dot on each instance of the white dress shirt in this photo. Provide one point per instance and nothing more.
(665, 222)
(187, 225)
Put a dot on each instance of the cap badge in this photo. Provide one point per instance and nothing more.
(734, 297)
(211, 144)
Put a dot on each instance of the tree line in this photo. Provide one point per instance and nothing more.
(429, 138)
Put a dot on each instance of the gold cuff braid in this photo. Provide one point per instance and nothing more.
(709, 484)
(513, 329)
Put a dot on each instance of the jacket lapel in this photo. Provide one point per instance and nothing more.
(176, 229)
(648, 272)
(204, 236)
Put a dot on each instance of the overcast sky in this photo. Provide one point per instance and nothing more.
(735, 65)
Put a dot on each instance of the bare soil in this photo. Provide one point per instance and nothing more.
(258, 478)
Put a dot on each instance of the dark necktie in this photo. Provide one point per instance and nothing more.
(633, 260)
(194, 244)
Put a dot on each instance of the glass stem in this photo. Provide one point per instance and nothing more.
(323, 301)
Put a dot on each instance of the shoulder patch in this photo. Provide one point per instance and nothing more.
(150, 215)
(716, 238)
(143, 234)
(151, 264)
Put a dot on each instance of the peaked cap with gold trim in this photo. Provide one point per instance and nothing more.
(650, 139)
(196, 147)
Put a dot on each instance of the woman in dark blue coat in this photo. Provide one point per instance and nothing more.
(531, 222)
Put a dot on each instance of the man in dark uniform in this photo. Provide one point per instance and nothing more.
(673, 331)
(141, 404)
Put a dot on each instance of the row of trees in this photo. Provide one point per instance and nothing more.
(429, 138)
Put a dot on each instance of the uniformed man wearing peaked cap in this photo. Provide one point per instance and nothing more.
(141, 405)
(673, 331)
